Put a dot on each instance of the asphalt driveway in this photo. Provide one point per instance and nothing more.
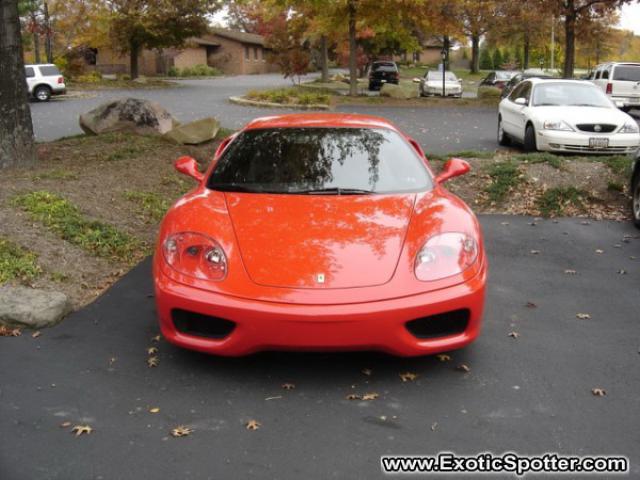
(530, 394)
(440, 130)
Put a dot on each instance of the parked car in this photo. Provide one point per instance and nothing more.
(383, 72)
(519, 77)
(635, 190)
(498, 78)
(620, 81)
(43, 81)
(565, 116)
(431, 84)
(320, 232)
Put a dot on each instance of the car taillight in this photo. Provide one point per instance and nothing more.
(396, 75)
(445, 255)
(609, 88)
(195, 255)
(60, 79)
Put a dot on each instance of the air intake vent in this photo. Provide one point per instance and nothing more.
(441, 325)
(199, 325)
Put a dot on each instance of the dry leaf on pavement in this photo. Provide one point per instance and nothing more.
(156, 338)
(370, 396)
(583, 316)
(353, 396)
(443, 357)
(65, 424)
(154, 410)
(531, 305)
(181, 431)
(253, 425)
(36, 334)
(408, 376)
(288, 386)
(514, 334)
(463, 367)
(367, 372)
(9, 332)
(80, 429)
(570, 272)
(153, 362)
(599, 250)
(598, 392)
(152, 350)
(535, 252)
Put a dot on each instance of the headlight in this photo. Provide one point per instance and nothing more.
(557, 125)
(629, 127)
(195, 255)
(445, 255)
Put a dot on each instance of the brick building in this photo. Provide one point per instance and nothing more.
(231, 51)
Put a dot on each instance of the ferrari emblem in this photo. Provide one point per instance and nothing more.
(320, 278)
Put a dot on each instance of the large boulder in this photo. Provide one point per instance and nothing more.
(32, 308)
(127, 114)
(405, 91)
(194, 133)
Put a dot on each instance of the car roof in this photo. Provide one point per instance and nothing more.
(536, 81)
(635, 64)
(309, 120)
(39, 65)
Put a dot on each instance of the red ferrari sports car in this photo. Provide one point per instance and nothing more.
(320, 232)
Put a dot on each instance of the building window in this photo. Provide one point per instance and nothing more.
(247, 53)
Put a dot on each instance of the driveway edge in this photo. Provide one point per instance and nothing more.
(256, 103)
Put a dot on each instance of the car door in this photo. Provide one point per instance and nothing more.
(31, 78)
(512, 113)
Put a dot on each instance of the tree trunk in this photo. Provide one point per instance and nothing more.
(527, 49)
(134, 52)
(36, 38)
(570, 41)
(353, 50)
(475, 53)
(324, 54)
(48, 48)
(446, 46)
(16, 129)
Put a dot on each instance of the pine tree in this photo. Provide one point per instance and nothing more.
(486, 62)
(497, 59)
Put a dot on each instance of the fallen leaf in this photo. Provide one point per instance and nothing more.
(531, 305)
(599, 251)
(504, 223)
(65, 424)
(153, 362)
(253, 425)
(443, 357)
(570, 272)
(367, 372)
(583, 316)
(181, 431)
(514, 334)
(535, 252)
(9, 332)
(463, 367)
(36, 334)
(598, 392)
(408, 376)
(152, 350)
(353, 396)
(288, 386)
(622, 271)
(370, 396)
(156, 338)
(154, 410)
(434, 425)
(80, 429)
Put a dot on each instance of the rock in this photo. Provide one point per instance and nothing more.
(140, 79)
(109, 76)
(399, 91)
(194, 133)
(127, 114)
(31, 307)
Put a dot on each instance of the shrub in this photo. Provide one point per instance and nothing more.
(489, 92)
(92, 77)
(173, 72)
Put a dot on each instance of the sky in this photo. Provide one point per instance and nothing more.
(630, 17)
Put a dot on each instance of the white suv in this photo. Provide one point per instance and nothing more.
(44, 80)
(620, 81)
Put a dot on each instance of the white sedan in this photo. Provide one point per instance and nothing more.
(565, 116)
(432, 83)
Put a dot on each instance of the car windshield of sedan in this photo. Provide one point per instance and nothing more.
(569, 95)
(448, 76)
(339, 161)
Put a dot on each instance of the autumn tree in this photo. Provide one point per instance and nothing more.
(16, 129)
(139, 24)
(477, 17)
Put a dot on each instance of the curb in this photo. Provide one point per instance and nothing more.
(256, 103)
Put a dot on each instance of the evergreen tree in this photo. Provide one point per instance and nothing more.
(497, 59)
(486, 62)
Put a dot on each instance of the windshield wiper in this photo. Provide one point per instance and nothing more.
(236, 187)
(335, 191)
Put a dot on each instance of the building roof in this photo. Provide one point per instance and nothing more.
(205, 42)
(238, 36)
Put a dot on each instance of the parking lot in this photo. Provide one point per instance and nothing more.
(530, 392)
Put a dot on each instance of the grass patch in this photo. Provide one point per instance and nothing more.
(620, 164)
(461, 154)
(55, 174)
(504, 176)
(615, 187)
(16, 263)
(288, 96)
(152, 204)
(539, 157)
(66, 220)
(553, 201)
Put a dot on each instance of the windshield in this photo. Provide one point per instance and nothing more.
(320, 160)
(569, 94)
(384, 67)
(49, 70)
(504, 75)
(630, 73)
(448, 76)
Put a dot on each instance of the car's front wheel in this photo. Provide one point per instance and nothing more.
(42, 93)
(503, 138)
(530, 139)
(635, 202)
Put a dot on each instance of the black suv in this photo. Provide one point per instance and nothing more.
(635, 191)
(383, 72)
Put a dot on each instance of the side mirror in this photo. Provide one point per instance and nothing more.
(453, 168)
(521, 101)
(189, 166)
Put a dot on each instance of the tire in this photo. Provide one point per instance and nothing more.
(42, 93)
(503, 138)
(530, 139)
(635, 199)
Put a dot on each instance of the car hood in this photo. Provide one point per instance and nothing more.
(574, 115)
(320, 241)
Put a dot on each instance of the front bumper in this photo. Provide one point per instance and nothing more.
(578, 142)
(261, 325)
